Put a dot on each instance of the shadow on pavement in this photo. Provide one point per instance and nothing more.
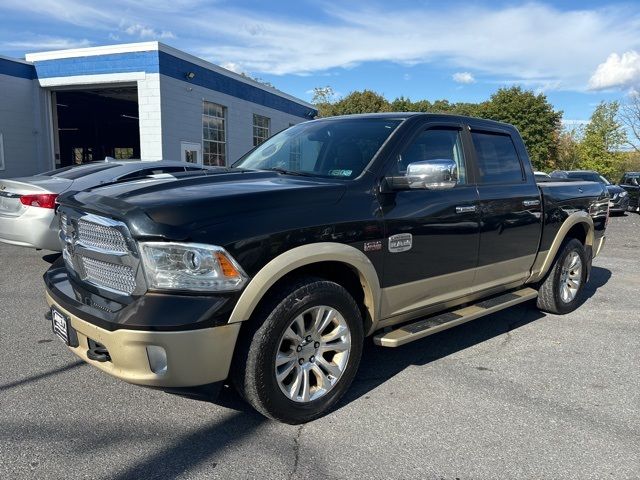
(40, 376)
(51, 257)
(379, 364)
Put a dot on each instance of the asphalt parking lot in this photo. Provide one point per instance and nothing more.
(518, 394)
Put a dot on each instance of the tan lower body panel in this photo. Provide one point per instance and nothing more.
(407, 297)
(194, 357)
(423, 328)
(598, 244)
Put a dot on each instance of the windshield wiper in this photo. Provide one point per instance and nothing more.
(288, 172)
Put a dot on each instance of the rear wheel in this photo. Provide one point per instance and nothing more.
(302, 351)
(559, 292)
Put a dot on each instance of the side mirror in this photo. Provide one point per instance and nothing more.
(437, 174)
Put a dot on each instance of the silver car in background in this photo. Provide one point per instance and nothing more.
(28, 204)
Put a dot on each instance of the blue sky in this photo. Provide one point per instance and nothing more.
(576, 52)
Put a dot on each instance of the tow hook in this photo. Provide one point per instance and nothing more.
(98, 352)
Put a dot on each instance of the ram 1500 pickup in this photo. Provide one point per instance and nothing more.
(271, 273)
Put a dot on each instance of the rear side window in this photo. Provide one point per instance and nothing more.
(498, 160)
(77, 171)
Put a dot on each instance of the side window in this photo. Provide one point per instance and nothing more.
(434, 144)
(498, 160)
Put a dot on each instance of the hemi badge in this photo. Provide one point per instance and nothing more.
(400, 242)
(373, 246)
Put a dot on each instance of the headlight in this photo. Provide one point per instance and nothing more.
(624, 194)
(190, 266)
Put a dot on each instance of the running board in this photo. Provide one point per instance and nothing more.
(427, 326)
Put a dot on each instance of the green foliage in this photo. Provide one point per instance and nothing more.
(569, 149)
(538, 123)
(532, 114)
(365, 101)
(604, 136)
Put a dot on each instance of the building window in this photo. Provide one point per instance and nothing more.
(214, 134)
(122, 153)
(1, 152)
(261, 127)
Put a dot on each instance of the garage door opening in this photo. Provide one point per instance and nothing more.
(96, 123)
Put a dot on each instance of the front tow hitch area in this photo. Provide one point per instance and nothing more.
(97, 351)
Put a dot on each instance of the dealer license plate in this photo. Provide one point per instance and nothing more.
(60, 325)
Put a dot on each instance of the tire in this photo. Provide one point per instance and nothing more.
(552, 294)
(274, 336)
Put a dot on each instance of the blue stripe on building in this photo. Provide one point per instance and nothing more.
(177, 68)
(155, 61)
(17, 69)
(99, 64)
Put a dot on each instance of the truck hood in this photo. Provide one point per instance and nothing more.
(173, 208)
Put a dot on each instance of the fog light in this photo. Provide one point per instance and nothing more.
(157, 359)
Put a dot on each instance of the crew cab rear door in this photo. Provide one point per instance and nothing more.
(510, 207)
(431, 235)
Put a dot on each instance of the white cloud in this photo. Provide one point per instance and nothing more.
(144, 31)
(234, 67)
(43, 43)
(463, 77)
(406, 76)
(533, 43)
(618, 71)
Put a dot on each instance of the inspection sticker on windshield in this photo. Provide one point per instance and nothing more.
(340, 173)
(400, 242)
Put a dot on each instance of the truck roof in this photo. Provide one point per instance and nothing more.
(404, 115)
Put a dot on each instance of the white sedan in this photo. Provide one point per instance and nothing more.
(28, 205)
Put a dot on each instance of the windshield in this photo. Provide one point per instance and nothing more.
(587, 176)
(326, 148)
(604, 180)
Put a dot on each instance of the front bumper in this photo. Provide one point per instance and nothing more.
(194, 357)
(35, 228)
(619, 204)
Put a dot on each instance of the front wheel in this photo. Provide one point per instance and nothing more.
(560, 291)
(302, 351)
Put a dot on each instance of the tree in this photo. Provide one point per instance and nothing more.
(630, 117)
(365, 101)
(322, 97)
(604, 137)
(569, 149)
(538, 123)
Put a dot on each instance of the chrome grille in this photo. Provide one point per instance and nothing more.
(101, 252)
(114, 277)
(64, 224)
(95, 235)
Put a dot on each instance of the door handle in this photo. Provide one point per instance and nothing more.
(466, 209)
(531, 203)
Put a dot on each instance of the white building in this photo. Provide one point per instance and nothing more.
(140, 100)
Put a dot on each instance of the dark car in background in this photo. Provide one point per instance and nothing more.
(619, 196)
(28, 204)
(630, 181)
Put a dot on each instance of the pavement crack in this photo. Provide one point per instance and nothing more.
(296, 452)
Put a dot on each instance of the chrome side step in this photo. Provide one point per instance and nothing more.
(430, 325)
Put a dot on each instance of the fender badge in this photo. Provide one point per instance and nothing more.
(400, 242)
(373, 246)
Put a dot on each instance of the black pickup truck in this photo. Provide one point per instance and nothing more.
(272, 272)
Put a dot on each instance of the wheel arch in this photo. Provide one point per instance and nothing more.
(324, 259)
(578, 225)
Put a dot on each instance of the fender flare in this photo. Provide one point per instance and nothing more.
(545, 259)
(302, 256)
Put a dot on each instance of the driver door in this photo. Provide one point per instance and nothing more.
(438, 230)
